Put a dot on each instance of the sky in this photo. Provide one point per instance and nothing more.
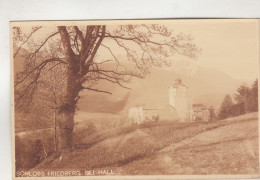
(230, 46)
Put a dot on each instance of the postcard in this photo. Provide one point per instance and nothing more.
(135, 99)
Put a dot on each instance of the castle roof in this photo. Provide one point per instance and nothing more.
(177, 83)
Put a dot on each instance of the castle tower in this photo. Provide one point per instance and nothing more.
(178, 100)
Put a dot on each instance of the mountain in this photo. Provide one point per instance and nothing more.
(210, 100)
(207, 86)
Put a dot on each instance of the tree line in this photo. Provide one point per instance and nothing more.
(246, 101)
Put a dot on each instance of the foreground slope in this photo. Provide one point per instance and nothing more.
(224, 147)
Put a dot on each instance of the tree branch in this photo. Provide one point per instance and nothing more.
(111, 52)
(26, 41)
(66, 43)
(93, 53)
(39, 67)
(118, 73)
(80, 35)
(170, 44)
(96, 90)
(44, 42)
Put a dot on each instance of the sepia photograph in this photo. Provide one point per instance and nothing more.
(135, 98)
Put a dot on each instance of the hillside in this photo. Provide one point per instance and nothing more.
(223, 147)
(207, 86)
(210, 99)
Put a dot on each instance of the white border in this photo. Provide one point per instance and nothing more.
(14, 10)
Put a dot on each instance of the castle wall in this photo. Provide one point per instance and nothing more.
(181, 107)
(172, 95)
(178, 101)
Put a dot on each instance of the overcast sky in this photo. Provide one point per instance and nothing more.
(230, 46)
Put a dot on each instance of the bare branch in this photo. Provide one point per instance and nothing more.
(26, 40)
(44, 42)
(80, 34)
(118, 73)
(103, 62)
(66, 43)
(96, 90)
(146, 41)
(38, 68)
(93, 53)
(111, 52)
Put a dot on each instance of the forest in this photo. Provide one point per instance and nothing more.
(246, 101)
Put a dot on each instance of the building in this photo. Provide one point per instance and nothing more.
(151, 114)
(178, 100)
(202, 114)
(136, 115)
(179, 108)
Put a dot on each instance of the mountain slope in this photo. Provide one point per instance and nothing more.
(207, 86)
(204, 86)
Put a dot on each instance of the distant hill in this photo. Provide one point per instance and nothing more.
(209, 100)
(207, 86)
(103, 103)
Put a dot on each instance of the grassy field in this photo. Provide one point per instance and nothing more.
(222, 147)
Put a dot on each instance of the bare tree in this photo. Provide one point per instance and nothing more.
(80, 50)
(52, 90)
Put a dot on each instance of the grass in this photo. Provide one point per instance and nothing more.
(141, 149)
(206, 154)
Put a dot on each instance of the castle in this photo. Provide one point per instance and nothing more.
(178, 101)
(186, 111)
(179, 108)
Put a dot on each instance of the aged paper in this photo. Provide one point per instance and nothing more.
(156, 99)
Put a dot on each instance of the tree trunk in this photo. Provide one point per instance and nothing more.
(67, 109)
(66, 114)
(55, 128)
(65, 130)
